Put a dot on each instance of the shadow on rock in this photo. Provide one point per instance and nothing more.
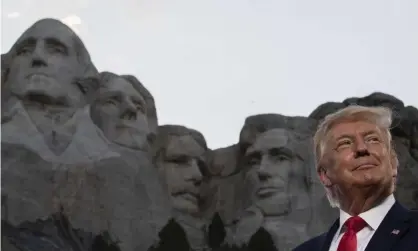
(53, 234)
(172, 238)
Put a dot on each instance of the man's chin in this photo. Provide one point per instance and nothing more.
(186, 206)
(277, 204)
(132, 141)
(368, 178)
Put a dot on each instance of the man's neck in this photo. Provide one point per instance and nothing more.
(357, 203)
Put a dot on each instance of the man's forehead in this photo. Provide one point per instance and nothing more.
(46, 29)
(121, 85)
(184, 145)
(275, 138)
(353, 128)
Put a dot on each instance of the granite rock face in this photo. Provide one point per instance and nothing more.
(76, 142)
(86, 166)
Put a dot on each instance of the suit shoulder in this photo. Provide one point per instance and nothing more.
(414, 216)
(312, 244)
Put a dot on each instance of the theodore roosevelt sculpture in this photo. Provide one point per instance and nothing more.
(180, 157)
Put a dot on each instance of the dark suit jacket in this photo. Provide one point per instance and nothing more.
(386, 237)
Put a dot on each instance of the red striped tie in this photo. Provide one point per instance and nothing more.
(349, 240)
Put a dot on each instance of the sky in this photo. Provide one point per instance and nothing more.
(211, 63)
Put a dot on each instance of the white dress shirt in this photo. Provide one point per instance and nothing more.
(373, 217)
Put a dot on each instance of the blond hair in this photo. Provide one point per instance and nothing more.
(380, 116)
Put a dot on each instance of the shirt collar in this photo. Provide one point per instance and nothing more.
(373, 216)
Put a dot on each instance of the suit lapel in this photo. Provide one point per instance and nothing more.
(394, 225)
(330, 235)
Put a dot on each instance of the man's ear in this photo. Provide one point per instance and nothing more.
(323, 171)
(88, 86)
(323, 176)
(394, 162)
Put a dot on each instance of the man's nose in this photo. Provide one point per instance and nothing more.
(263, 171)
(361, 149)
(194, 173)
(38, 58)
(129, 110)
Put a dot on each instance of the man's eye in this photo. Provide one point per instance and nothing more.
(23, 50)
(179, 160)
(139, 107)
(253, 161)
(282, 157)
(373, 139)
(57, 48)
(110, 102)
(344, 143)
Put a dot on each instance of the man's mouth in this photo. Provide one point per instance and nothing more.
(189, 196)
(267, 191)
(37, 75)
(126, 125)
(365, 166)
(43, 99)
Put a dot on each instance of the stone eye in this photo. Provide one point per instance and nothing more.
(253, 159)
(179, 160)
(111, 101)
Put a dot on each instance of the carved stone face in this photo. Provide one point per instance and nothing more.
(271, 161)
(44, 67)
(181, 168)
(120, 112)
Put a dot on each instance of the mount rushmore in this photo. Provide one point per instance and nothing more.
(86, 165)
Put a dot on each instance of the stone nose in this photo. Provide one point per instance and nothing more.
(38, 57)
(194, 173)
(128, 110)
(263, 171)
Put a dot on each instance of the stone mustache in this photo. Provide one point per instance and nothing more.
(86, 166)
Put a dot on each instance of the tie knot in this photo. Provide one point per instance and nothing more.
(355, 223)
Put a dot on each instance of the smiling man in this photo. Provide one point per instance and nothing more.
(357, 165)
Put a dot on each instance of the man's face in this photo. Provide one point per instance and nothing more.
(357, 156)
(44, 68)
(181, 168)
(120, 112)
(271, 163)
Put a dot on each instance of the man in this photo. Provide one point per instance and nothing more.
(276, 172)
(180, 156)
(47, 81)
(132, 201)
(45, 66)
(278, 186)
(125, 111)
(357, 165)
(46, 130)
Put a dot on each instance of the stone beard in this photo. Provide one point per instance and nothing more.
(120, 112)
